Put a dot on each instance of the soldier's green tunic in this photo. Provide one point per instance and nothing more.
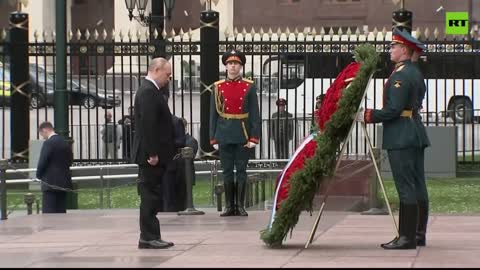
(404, 135)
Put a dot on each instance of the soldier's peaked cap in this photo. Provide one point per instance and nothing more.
(403, 37)
(233, 55)
(281, 101)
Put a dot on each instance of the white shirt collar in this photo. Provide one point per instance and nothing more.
(49, 136)
(154, 83)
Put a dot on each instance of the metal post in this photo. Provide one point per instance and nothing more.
(37, 204)
(209, 40)
(157, 21)
(108, 194)
(3, 188)
(101, 188)
(20, 87)
(29, 198)
(187, 154)
(60, 96)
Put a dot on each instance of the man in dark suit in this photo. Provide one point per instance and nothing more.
(153, 149)
(53, 168)
(281, 129)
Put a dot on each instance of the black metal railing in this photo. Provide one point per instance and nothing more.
(104, 71)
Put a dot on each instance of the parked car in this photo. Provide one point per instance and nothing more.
(42, 91)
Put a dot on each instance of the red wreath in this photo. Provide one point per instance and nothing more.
(323, 114)
(334, 92)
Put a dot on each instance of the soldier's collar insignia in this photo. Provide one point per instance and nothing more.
(397, 83)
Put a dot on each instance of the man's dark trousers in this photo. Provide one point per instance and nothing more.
(234, 156)
(151, 201)
(54, 201)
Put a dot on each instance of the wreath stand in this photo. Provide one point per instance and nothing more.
(339, 157)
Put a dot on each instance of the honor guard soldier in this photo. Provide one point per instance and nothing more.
(405, 139)
(281, 129)
(234, 129)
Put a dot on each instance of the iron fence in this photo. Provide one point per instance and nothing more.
(105, 69)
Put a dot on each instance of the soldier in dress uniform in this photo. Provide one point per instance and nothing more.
(404, 138)
(281, 129)
(234, 129)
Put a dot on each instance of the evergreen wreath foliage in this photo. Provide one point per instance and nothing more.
(318, 169)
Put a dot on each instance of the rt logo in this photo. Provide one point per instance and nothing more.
(456, 23)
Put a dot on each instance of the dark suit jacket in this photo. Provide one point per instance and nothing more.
(154, 132)
(54, 163)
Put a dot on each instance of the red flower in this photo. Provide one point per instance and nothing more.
(334, 92)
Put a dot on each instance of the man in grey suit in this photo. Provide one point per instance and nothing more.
(153, 149)
(53, 168)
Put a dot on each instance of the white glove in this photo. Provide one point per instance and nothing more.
(215, 146)
(360, 116)
(250, 145)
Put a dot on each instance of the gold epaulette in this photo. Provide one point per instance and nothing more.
(219, 82)
(247, 80)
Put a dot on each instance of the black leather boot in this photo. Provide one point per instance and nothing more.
(422, 223)
(229, 200)
(240, 202)
(400, 224)
(406, 240)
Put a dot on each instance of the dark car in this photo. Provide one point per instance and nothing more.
(42, 93)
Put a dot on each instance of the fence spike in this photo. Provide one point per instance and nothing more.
(418, 33)
(314, 32)
(384, 31)
(375, 32)
(287, 31)
(380, 35)
(138, 34)
(155, 33)
(436, 33)
(295, 31)
(306, 31)
(365, 30)
(69, 35)
(164, 33)
(270, 32)
(54, 36)
(95, 34)
(253, 32)
(173, 33)
(190, 33)
(129, 34)
(427, 33)
(35, 34)
(262, 32)
(147, 34)
(79, 34)
(349, 31)
(120, 35)
(87, 34)
(340, 32)
(331, 33)
(235, 32)
(181, 33)
(105, 34)
(357, 32)
(322, 32)
(113, 34)
(44, 35)
(226, 32)
(244, 32)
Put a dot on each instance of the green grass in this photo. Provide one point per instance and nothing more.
(447, 196)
